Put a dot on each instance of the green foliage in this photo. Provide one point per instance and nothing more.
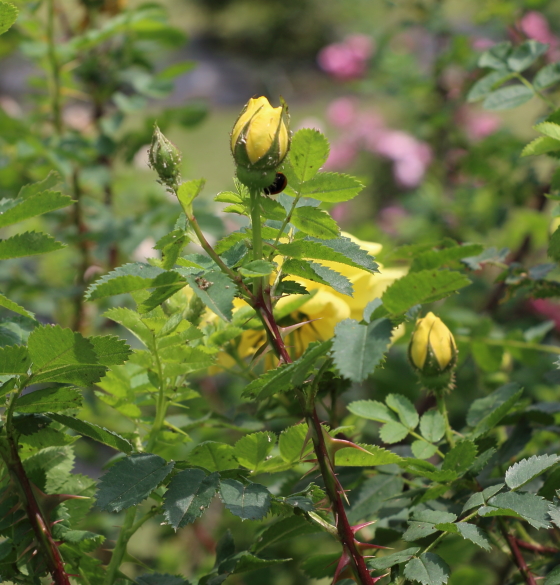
(8, 15)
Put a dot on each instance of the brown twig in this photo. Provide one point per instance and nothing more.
(516, 555)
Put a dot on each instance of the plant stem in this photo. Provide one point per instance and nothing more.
(55, 69)
(39, 523)
(258, 283)
(516, 554)
(443, 411)
(120, 547)
(528, 84)
(161, 404)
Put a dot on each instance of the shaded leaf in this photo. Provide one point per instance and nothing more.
(318, 273)
(508, 97)
(28, 244)
(49, 400)
(314, 222)
(428, 569)
(213, 456)
(526, 470)
(216, 291)
(188, 494)
(249, 502)
(131, 480)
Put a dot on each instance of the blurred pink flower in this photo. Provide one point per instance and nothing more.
(535, 26)
(482, 44)
(346, 60)
(548, 309)
(477, 125)
(390, 217)
(342, 112)
(342, 154)
(411, 157)
(340, 212)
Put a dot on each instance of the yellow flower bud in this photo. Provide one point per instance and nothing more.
(432, 350)
(259, 141)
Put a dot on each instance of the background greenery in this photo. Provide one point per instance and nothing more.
(87, 108)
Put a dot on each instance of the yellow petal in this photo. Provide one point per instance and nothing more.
(262, 131)
(252, 107)
(442, 343)
(420, 340)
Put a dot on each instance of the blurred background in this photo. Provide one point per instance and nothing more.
(387, 82)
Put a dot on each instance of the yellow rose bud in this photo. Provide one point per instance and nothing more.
(432, 350)
(260, 141)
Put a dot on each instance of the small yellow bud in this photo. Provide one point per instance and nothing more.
(260, 141)
(432, 350)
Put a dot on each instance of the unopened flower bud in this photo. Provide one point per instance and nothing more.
(260, 141)
(165, 159)
(432, 352)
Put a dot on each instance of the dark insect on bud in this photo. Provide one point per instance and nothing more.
(279, 184)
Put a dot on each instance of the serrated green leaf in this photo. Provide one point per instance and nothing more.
(216, 291)
(372, 496)
(131, 480)
(291, 442)
(341, 250)
(524, 55)
(553, 578)
(320, 566)
(50, 181)
(8, 15)
(187, 192)
(315, 222)
(273, 381)
(318, 273)
(28, 244)
(351, 457)
(253, 449)
(485, 413)
(257, 268)
(422, 449)
(393, 432)
(526, 470)
(541, 145)
(474, 534)
(188, 494)
(380, 563)
(248, 502)
(359, 349)
(549, 129)
(417, 530)
(133, 322)
(308, 153)
(445, 257)
(165, 285)
(14, 359)
(422, 287)
(404, 409)
(125, 279)
(213, 456)
(49, 400)
(505, 98)
(12, 306)
(373, 410)
(486, 84)
(16, 210)
(100, 434)
(271, 209)
(285, 529)
(428, 569)
(530, 507)
(554, 245)
(547, 76)
(330, 188)
(460, 458)
(64, 356)
(228, 197)
(432, 426)
(496, 56)
(110, 350)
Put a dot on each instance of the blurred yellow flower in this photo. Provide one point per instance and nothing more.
(325, 307)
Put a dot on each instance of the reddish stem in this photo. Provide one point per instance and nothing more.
(333, 488)
(536, 548)
(39, 524)
(517, 556)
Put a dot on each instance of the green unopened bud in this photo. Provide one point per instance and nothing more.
(432, 352)
(165, 159)
(260, 140)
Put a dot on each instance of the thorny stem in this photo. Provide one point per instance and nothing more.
(516, 554)
(260, 300)
(39, 523)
